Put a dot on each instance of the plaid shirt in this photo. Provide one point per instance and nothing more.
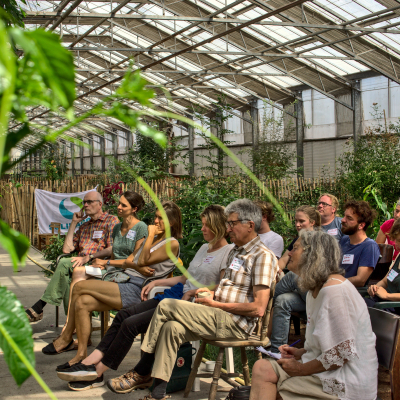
(259, 266)
(84, 242)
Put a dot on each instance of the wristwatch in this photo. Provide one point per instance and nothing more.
(108, 263)
(91, 257)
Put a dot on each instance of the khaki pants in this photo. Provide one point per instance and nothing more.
(299, 387)
(175, 322)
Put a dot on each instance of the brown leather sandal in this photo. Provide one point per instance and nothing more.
(34, 316)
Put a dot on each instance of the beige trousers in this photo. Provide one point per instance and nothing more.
(177, 321)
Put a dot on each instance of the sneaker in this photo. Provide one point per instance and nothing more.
(65, 366)
(128, 382)
(83, 385)
(78, 372)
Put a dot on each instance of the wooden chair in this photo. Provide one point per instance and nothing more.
(258, 339)
(386, 327)
(47, 237)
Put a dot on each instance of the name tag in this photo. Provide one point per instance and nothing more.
(97, 234)
(332, 232)
(392, 275)
(348, 259)
(208, 260)
(131, 235)
(236, 264)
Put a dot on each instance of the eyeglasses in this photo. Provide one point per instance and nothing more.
(323, 204)
(89, 202)
(231, 224)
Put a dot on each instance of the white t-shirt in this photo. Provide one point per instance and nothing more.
(273, 241)
(206, 267)
(339, 329)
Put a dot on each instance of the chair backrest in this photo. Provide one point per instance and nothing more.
(385, 325)
(383, 264)
(262, 327)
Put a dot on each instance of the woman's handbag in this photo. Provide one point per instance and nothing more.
(239, 393)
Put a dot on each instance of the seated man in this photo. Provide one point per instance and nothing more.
(330, 223)
(229, 313)
(270, 238)
(360, 253)
(91, 240)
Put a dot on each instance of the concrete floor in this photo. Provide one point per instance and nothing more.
(28, 284)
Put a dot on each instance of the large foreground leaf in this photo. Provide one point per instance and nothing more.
(15, 325)
(53, 64)
(15, 243)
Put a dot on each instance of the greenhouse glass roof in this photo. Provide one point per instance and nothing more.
(200, 49)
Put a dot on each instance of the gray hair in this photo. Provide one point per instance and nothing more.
(398, 203)
(246, 210)
(100, 197)
(321, 257)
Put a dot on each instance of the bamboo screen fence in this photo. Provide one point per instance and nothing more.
(17, 198)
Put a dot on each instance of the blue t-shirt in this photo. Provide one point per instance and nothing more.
(334, 228)
(364, 254)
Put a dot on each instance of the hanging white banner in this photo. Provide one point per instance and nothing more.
(58, 207)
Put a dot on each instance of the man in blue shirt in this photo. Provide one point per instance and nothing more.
(360, 253)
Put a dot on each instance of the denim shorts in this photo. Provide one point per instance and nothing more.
(130, 291)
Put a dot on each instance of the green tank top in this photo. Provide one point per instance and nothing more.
(394, 285)
(124, 246)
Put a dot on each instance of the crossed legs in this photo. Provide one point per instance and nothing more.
(87, 296)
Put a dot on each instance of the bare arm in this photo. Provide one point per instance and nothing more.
(68, 246)
(116, 263)
(295, 368)
(363, 274)
(282, 262)
(381, 237)
(254, 309)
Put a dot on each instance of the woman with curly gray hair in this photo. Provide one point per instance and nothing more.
(338, 360)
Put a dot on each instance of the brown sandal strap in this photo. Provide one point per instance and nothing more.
(35, 316)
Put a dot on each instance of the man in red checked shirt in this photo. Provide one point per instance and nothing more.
(92, 240)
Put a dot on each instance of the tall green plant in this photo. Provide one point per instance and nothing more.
(272, 159)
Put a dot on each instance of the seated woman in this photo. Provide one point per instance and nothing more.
(287, 297)
(388, 289)
(207, 267)
(384, 231)
(338, 360)
(88, 296)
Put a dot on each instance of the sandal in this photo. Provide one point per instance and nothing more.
(50, 350)
(150, 397)
(33, 316)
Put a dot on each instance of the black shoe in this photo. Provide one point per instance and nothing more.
(83, 385)
(50, 350)
(78, 372)
(66, 366)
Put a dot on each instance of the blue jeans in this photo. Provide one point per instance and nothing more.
(287, 298)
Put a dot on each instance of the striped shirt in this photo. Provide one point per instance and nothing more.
(247, 266)
(94, 236)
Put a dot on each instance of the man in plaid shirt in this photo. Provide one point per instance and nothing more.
(92, 240)
(229, 313)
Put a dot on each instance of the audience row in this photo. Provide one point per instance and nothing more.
(226, 290)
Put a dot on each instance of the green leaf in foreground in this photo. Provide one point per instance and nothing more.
(15, 243)
(13, 318)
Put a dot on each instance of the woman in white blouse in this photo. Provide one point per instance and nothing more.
(338, 360)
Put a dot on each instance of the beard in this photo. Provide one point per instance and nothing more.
(348, 230)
